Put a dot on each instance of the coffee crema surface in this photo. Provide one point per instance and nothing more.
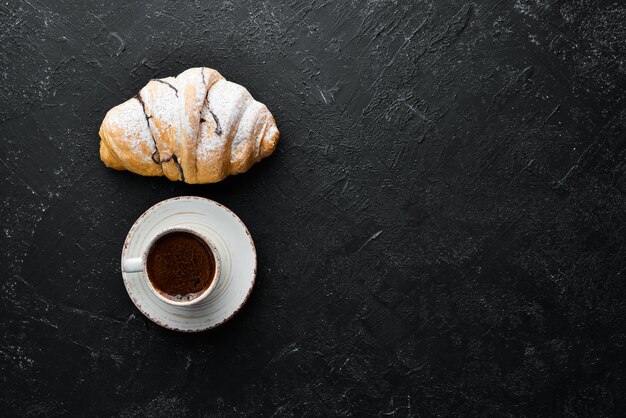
(180, 266)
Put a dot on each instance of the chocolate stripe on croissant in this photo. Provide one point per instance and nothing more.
(156, 157)
(174, 159)
(180, 168)
(167, 84)
(218, 128)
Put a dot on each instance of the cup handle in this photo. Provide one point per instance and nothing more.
(132, 265)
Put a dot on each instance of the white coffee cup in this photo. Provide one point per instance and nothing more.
(139, 265)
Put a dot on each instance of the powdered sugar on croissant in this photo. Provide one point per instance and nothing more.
(196, 127)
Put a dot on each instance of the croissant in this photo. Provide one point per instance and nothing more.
(195, 127)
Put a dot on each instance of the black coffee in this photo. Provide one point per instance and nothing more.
(180, 266)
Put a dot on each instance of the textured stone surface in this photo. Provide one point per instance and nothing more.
(440, 231)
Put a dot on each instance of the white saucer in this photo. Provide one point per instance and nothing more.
(231, 237)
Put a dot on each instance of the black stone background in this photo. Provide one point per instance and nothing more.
(440, 231)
